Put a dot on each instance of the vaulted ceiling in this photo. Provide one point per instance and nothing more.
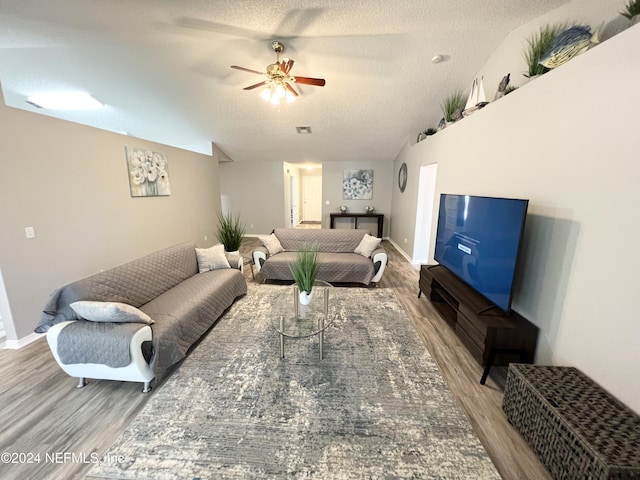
(162, 68)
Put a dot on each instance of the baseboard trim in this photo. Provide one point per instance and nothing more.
(415, 266)
(22, 342)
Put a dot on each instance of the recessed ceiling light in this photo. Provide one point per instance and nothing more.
(303, 130)
(64, 101)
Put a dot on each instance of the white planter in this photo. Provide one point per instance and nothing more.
(305, 298)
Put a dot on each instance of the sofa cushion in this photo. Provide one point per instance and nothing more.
(113, 312)
(327, 240)
(134, 283)
(271, 243)
(185, 312)
(333, 267)
(211, 258)
(367, 245)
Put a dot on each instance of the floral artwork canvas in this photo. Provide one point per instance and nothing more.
(148, 173)
(357, 185)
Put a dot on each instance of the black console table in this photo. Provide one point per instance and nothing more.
(491, 336)
(378, 216)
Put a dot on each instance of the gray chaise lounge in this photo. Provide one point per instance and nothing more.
(164, 285)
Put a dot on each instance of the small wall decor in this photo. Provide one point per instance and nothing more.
(357, 185)
(402, 177)
(148, 173)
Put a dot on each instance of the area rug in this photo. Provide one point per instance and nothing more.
(375, 407)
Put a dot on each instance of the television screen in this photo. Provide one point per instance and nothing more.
(478, 239)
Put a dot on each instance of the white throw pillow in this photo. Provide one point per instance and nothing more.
(110, 312)
(271, 243)
(367, 245)
(211, 258)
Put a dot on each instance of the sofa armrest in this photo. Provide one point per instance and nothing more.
(235, 260)
(380, 259)
(259, 255)
(137, 371)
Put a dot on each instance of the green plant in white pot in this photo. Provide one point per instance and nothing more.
(304, 270)
(230, 231)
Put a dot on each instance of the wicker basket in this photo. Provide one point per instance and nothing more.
(577, 429)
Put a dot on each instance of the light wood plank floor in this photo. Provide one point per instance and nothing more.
(41, 411)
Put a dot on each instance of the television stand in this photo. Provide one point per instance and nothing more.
(492, 336)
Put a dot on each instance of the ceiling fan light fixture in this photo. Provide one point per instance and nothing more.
(278, 84)
(266, 94)
(275, 92)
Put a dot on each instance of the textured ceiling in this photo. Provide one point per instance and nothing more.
(161, 67)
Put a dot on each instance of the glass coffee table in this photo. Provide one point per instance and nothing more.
(292, 319)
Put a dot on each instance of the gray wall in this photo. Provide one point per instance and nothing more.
(568, 142)
(332, 176)
(256, 192)
(70, 183)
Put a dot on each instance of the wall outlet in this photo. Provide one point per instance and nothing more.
(206, 238)
(251, 226)
(30, 232)
(328, 202)
(405, 240)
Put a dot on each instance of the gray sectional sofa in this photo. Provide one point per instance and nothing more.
(337, 257)
(163, 306)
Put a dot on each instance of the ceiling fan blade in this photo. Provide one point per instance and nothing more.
(286, 65)
(292, 90)
(318, 82)
(247, 70)
(251, 87)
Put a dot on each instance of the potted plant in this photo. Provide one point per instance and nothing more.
(230, 232)
(537, 46)
(632, 9)
(304, 270)
(452, 106)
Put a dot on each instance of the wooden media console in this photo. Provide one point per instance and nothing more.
(492, 336)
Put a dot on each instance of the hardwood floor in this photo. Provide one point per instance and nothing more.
(42, 413)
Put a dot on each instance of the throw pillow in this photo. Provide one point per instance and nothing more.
(367, 245)
(211, 258)
(110, 312)
(271, 243)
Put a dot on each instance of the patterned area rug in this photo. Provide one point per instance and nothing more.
(375, 407)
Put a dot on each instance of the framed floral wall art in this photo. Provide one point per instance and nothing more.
(148, 173)
(357, 185)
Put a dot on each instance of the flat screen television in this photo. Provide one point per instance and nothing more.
(478, 240)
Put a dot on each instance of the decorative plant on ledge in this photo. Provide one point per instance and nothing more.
(453, 105)
(304, 270)
(230, 232)
(537, 45)
(632, 8)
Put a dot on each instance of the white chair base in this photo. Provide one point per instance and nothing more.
(137, 371)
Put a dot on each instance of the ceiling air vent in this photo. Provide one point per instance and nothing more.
(303, 130)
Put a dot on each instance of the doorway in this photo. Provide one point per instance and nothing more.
(295, 197)
(424, 213)
(311, 199)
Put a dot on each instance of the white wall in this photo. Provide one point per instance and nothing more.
(70, 182)
(568, 142)
(404, 205)
(508, 57)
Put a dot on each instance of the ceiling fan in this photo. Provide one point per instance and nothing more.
(278, 84)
